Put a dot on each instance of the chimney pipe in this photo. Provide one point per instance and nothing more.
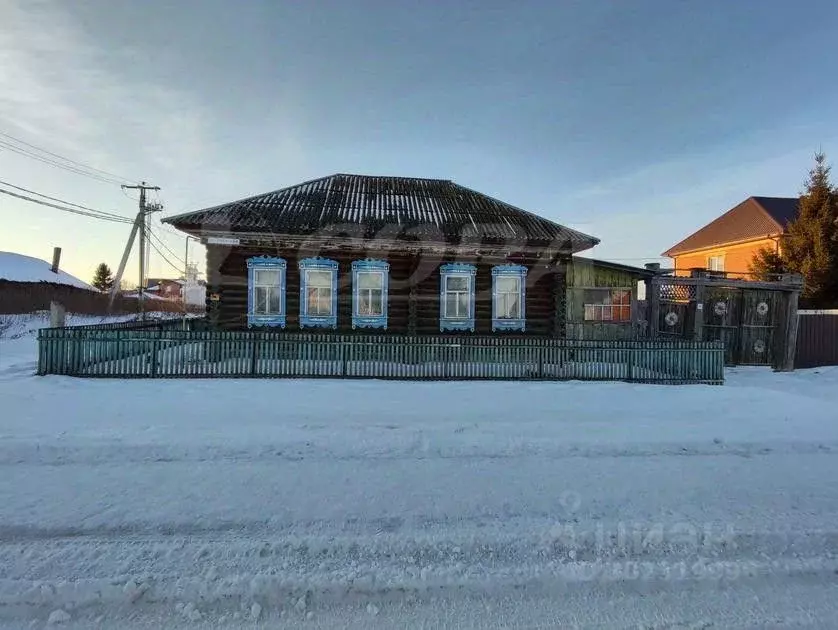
(56, 258)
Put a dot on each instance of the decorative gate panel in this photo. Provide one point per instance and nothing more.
(676, 318)
(721, 320)
(757, 328)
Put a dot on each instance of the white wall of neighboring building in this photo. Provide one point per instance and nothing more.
(194, 293)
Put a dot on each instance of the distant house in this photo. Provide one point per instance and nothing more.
(366, 254)
(29, 284)
(728, 244)
(167, 288)
(26, 269)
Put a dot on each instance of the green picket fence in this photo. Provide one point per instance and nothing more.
(171, 353)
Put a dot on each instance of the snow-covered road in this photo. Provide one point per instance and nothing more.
(139, 504)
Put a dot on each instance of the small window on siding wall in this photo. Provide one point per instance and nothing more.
(318, 293)
(607, 305)
(509, 297)
(266, 291)
(369, 293)
(456, 296)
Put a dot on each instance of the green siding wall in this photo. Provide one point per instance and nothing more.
(586, 275)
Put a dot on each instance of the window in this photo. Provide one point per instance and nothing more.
(607, 305)
(716, 263)
(508, 297)
(456, 299)
(318, 292)
(266, 291)
(369, 295)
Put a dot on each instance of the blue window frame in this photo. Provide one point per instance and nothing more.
(266, 291)
(456, 296)
(318, 293)
(509, 292)
(369, 293)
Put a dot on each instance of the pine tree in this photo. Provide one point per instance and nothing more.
(103, 280)
(810, 247)
(766, 265)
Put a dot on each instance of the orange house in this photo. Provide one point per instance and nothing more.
(729, 243)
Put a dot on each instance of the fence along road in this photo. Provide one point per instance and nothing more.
(168, 351)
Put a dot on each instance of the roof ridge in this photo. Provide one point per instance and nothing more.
(367, 176)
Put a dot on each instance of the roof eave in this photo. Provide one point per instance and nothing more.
(676, 252)
(565, 246)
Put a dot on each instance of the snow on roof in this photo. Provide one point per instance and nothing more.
(19, 268)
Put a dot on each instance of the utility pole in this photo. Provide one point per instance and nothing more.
(139, 226)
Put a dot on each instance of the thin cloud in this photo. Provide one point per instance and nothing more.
(57, 89)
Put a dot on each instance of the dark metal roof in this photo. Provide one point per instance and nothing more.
(782, 209)
(756, 217)
(392, 208)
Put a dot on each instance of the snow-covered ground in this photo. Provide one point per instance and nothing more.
(366, 504)
(20, 268)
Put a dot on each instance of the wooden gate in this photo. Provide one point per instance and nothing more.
(758, 317)
(722, 319)
(756, 321)
(744, 320)
(676, 314)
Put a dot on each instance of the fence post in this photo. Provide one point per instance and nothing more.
(254, 355)
(57, 314)
(790, 347)
(698, 314)
(154, 356)
(43, 353)
(653, 307)
(541, 362)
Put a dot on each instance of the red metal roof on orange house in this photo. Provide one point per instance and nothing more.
(754, 218)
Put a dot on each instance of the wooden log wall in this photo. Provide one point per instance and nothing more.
(413, 289)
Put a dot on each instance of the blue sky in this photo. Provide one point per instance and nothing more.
(636, 122)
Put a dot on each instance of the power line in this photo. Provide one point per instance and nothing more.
(65, 159)
(57, 164)
(164, 246)
(162, 255)
(65, 202)
(102, 217)
(165, 228)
